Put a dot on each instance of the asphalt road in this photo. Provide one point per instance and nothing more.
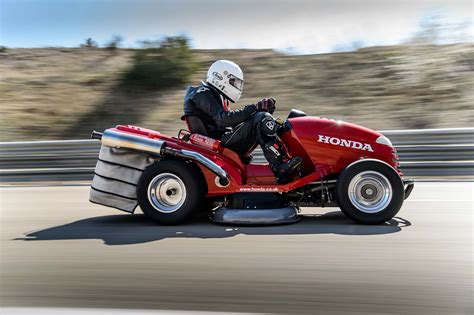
(58, 250)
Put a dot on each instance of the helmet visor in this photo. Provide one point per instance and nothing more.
(236, 82)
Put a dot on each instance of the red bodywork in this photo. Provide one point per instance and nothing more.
(321, 156)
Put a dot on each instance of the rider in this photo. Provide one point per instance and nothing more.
(239, 130)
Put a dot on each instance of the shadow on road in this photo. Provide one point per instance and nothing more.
(134, 229)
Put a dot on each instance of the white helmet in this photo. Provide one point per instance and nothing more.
(227, 77)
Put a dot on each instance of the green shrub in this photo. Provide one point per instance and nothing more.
(3, 49)
(114, 43)
(89, 43)
(161, 64)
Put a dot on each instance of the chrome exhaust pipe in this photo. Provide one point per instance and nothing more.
(116, 139)
(198, 157)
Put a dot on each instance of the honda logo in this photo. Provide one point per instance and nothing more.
(345, 143)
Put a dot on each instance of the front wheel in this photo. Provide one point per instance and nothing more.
(370, 192)
(169, 191)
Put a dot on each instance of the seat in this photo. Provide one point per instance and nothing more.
(195, 125)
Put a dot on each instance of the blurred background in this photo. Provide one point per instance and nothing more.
(70, 66)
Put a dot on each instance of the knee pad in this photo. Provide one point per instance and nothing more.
(268, 128)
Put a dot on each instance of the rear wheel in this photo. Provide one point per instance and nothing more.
(370, 192)
(170, 191)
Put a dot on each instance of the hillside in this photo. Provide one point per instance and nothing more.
(55, 93)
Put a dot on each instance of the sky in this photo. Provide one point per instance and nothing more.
(294, 26)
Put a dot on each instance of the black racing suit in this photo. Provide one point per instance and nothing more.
(239, 130)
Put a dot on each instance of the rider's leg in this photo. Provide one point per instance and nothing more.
(261, 129)
(274, 151)
(242, 139)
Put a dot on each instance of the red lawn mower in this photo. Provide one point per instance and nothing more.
(344, 165)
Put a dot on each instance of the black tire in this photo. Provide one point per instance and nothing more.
(386, 209)
(179, 173)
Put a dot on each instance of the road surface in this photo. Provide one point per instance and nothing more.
(58, 250)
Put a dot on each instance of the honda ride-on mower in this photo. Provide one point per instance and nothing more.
(170, 178)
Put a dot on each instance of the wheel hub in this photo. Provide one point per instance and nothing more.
(166, 193)
(370, 192)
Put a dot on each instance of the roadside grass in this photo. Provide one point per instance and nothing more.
(59, 93)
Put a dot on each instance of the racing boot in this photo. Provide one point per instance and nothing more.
(284, 168)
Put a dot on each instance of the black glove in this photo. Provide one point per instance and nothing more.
(267, 105)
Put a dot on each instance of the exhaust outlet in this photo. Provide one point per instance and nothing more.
(96, 135)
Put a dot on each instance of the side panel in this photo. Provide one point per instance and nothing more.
(337, 144)
(260, 174)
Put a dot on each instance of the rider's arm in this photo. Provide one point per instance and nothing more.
(208, 104)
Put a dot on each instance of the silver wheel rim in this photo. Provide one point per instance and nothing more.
(370, 192)
(166, 193)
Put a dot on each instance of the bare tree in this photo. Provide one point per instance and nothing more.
(89, 43)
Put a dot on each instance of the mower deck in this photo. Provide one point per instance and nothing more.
(259, 217)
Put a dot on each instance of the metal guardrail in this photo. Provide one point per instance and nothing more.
(413, 137)
(429, 153)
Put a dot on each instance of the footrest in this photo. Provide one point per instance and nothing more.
(277, 216)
